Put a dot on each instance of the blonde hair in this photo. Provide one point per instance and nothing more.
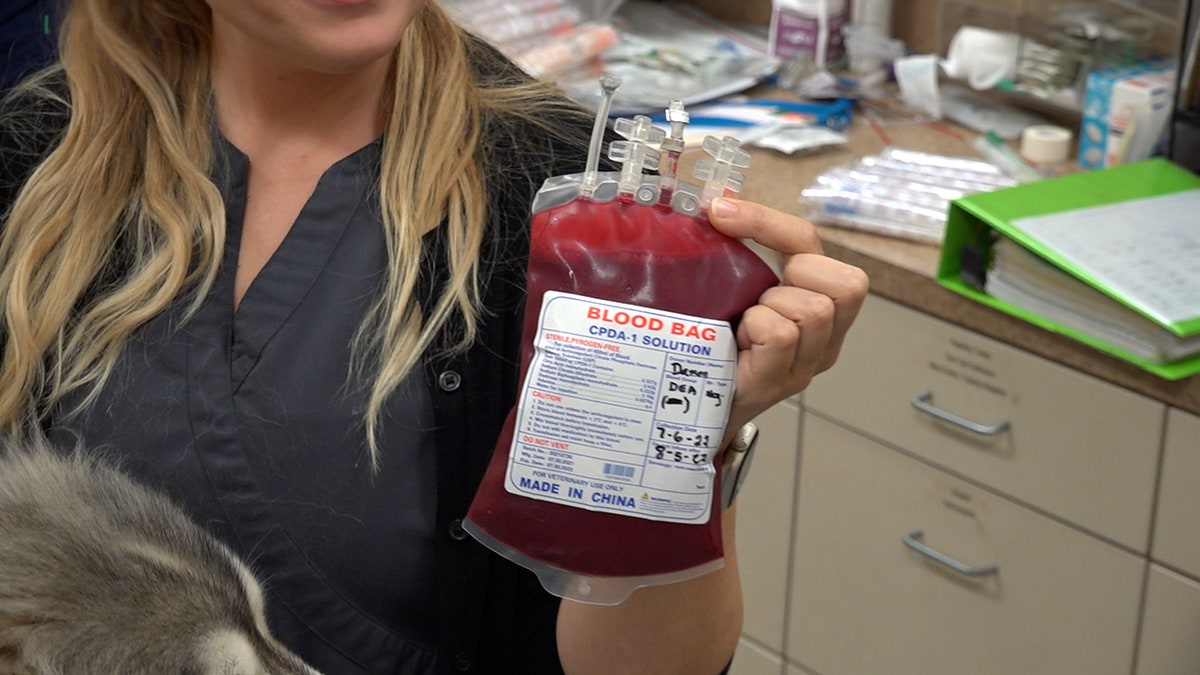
(121, 218)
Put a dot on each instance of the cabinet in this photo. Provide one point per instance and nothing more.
(1045, 435)
(964, 506)
(1031, 596)
(1176, 535)
(764, 526)
(1169, 644)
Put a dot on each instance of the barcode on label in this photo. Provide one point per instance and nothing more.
(618, 470)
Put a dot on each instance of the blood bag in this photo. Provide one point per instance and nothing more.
(606, 476)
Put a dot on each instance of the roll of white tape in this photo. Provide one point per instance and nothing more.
(1045, 144)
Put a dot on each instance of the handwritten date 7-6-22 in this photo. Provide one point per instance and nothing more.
(682, 438)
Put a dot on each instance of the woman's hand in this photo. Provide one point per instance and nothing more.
(794, 333)
(797, 328)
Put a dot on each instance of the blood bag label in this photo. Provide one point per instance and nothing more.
(623, 409)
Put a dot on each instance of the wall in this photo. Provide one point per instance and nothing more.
(746, 11)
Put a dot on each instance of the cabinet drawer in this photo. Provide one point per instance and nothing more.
(1169, 644)
(862, 602)
(1072, 445)
(1176, 538)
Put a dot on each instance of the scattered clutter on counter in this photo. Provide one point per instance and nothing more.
(973, 111)
(673, 47)
(1074, 97)
(1046, 143)
(838, 60)
(545, 37)
(897, 192)
(653, 47)
(787, 126)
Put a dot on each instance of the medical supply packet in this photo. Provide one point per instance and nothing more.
(606, 475)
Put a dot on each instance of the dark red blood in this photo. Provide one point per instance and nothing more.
(640, 255)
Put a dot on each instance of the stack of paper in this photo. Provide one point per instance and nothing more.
(1021, 278)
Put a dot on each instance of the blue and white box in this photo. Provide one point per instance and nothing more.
(1097, 131)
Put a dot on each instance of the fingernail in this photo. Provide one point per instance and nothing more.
(723, 207)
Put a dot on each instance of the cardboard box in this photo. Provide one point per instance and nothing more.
(1138, 113)
(1094, 132)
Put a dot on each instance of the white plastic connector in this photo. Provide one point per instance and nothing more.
(678, 118)
(635, 153)
(672, 147)
(721, 173)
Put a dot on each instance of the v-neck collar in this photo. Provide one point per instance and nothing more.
(341, 192)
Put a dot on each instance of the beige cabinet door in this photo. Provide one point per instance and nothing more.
(764, 521)
(1177, 528)
(1069, 444)
(1033, 596)
(752, 659)
(1170, 642)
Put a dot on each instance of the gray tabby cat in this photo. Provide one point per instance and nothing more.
(100, 575)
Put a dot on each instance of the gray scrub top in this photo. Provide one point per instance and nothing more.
(250, 421)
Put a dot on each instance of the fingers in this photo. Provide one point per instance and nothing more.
(783, 343)
(798, 327)
(843, 285)
(774, 229)
(815, 317)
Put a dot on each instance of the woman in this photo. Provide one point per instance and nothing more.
(25, 39)
(274, 262)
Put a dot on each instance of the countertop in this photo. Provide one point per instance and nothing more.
(904, 271)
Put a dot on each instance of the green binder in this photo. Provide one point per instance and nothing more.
(975, 221)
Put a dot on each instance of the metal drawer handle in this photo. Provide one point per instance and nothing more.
(913, 541)
(922, 402)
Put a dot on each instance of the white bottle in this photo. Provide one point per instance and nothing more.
(876, 14)
(813, 27)
(867, 37)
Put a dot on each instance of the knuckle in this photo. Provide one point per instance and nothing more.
(780, 331)
(805, 236)
(756, 314)
(855, 281)
(794, 267)
(808, 233)
(817, 310)
(756, 214)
